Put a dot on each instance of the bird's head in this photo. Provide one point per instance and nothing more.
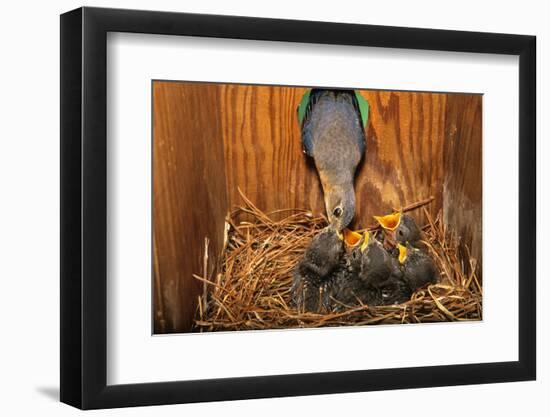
(389, 222)
(400, 227)
(324, 251)
(407, 251)
(355, 244)
(407, 231)
(374, 259)
(340, 206)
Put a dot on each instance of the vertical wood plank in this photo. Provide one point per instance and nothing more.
(263, 148)
(189, 198)
(462, 189)
(404, 158)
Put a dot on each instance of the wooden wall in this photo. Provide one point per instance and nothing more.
(189, 196)
(462, 188)
(211, 139)
(404, 159)
(263, 148)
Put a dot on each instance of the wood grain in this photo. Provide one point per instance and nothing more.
(462, 189)
(212, 139)
(403, 162)
(189, 196)
(263, 149)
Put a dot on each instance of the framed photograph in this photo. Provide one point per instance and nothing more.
(256, 208)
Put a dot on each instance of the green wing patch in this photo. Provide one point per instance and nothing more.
(363, 108)
(302, 108)
(361, 102)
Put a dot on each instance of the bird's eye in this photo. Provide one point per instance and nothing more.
(337, 211)
(400, 233)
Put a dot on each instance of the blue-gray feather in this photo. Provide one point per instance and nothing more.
(332, 134)
(325, 105)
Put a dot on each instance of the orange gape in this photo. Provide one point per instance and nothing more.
(390, 221)
(351, 237)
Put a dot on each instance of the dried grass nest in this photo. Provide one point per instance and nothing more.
(251, 291)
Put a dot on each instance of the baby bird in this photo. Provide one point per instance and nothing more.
(320, 260)
(407, 231)
(418, 267)
(379, 274)
(399, 228)
(344, 290)
(403, 239)
(372, 262)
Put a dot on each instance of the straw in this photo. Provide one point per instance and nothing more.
(252, 289)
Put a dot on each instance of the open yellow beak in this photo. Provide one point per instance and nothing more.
(351, 238)
(402, 253)
(390, 221)
(365, 241)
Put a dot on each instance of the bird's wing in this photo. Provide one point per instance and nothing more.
(304, 111)
(363, 108)
(308, 102)
(307, 142)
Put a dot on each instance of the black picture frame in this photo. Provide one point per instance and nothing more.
(84, 207)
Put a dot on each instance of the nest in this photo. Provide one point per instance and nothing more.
(252, 290)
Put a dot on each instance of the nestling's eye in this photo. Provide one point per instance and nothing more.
(400, 233)
(337, 211)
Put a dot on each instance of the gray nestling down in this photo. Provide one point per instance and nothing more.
(418, 267)
(320, 260)
(377, 269)
(408, 231)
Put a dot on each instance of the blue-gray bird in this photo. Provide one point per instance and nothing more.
(333, 123)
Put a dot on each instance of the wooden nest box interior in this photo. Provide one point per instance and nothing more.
(210, 140)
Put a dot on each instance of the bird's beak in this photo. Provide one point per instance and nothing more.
(402, 253)
(390, 221)
(365, 241)
(351, 238)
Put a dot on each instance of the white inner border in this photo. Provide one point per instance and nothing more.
(135, 356)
